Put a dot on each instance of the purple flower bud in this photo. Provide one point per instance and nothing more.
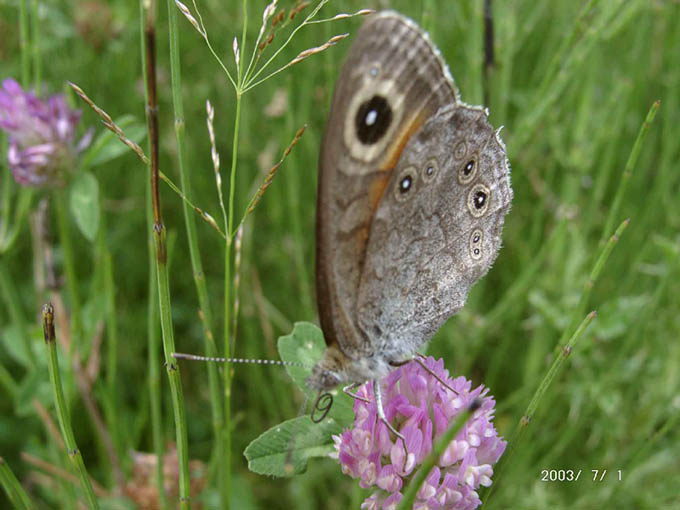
(42, 136)
(421, 409)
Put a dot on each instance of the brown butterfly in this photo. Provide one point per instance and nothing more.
(413, 189)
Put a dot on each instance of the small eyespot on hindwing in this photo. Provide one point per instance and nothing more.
(467, 171)
(405, 184)
(430, 170)
(460, 150)
(478, 200)
(476, 238)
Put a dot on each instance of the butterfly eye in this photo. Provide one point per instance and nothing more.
(476, 244)
(430, 170)
(406, 184)
(467, 171)
(372, 120)
(478, 200)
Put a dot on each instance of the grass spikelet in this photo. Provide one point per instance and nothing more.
(272, 173)
(187, 14)
(108, 122)
(317, 49)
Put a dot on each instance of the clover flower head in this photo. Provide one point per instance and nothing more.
(42, 136)
(421, 408)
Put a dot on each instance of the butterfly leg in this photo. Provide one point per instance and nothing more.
(418, 358)
(347, 390)
(381, 416)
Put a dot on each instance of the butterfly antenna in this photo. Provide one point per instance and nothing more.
(250, 361)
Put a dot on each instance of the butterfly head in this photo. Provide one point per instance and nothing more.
(329, 371)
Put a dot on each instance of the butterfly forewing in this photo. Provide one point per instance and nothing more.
(392, 82)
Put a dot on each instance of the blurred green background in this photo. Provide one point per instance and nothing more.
(572, 84)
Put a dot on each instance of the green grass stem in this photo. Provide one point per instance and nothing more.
(12, 304)
(195, 254)
(67, 434)
(15, 492)
(524, 422)
(628, 171)
(161, 258)
(24, 43)
(153, 339)
(69, 264)
(35, 45)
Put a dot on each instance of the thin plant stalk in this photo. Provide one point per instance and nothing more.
(628, 171)
(227, 268)
(161, 254)
(35, 46)
(9, 233)
(108, 432)
(12, 300)
(24, 43)
(430, 461)
(15, 492)
(7, 382)
(194, 252)
(72, 450)
(593, 277)
(153, 320)
(565, 350)
(252, 74)
(227, 303)
(65, 241)
(293, 190)
(5, 198)
(111, 351)
(153, 367)
(565, 347)
(524, 422)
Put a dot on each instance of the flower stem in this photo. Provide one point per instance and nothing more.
(15, 492)
(74, 454)
(195, 254)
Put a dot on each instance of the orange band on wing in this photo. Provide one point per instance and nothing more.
(379, 182)
(393, 152)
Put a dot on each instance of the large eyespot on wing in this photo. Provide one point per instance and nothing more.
(374, 114)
